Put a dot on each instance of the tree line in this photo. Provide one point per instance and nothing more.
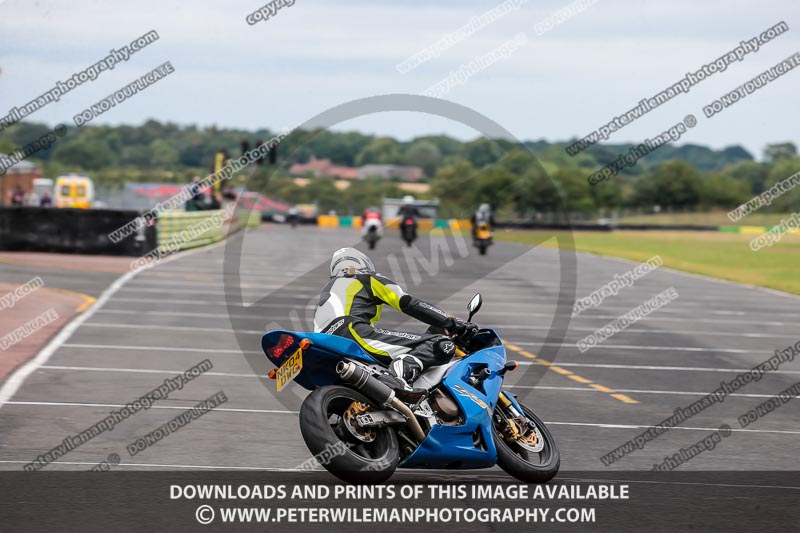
(515, 178)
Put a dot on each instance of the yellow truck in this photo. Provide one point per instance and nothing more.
(74, 190)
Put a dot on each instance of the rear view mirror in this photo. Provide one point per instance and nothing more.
(474, 305)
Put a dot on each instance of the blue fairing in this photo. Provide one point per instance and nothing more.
(319, 360)
(454, 446)
(470, 445)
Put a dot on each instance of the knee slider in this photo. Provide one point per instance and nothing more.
(443, 350)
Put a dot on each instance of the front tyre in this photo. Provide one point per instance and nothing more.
(345, 451)
(531, 455)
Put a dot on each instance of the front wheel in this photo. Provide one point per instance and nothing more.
(526, 451)
(345, 450)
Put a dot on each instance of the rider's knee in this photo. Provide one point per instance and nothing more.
(443, 350)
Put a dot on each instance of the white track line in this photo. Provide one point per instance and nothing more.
(210, 351)
(156, 465)
(638, 391)
(648, 347)
(15, 381)
(173, 407)
(499, 326)
(251, 375)
(283, 412)
(672, 368)
(144, 371)
(174, 328)
(18, 377)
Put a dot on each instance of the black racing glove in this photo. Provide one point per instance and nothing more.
(464, 330)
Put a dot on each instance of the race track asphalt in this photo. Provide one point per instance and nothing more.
(170, 317)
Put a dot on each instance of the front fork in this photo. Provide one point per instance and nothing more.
(508, 401)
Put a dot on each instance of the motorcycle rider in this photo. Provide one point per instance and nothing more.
(483, 215)
(293, 216)
(372, 218)
(408, 209)
(351, 304)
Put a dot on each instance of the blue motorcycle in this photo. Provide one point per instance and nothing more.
(361, 432)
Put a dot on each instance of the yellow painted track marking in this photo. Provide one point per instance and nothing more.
(87, 300)
(570, 375)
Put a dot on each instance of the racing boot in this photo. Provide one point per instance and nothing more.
(402, 372)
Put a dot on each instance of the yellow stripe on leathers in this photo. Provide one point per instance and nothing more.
(361, 342)
(350, 294)
(384, 293)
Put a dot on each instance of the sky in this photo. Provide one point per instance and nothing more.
(314, 55)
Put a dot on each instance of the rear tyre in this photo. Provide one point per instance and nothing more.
(326, 434)
(371, 245)
(525, 465)
(482, 249)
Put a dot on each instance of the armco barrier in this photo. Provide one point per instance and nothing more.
(65, 230)
(756, 230)
(332, 221)
(184, 227)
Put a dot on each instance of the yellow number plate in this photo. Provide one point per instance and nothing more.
(289, 369)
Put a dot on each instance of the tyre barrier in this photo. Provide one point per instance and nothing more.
(182, 230)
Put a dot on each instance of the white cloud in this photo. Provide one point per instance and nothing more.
(315, 55)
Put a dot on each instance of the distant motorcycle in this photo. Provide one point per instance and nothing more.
(293, 217)
(483, 237)
(408, 230)
(372, 234)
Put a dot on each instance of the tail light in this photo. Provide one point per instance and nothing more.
(284, 342)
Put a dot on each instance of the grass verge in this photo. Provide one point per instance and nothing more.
(719, 255)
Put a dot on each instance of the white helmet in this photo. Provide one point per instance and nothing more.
(349, 262)
(408, 199)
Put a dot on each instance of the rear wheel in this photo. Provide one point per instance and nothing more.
(527, 452)
(350, 453)
(482, 248)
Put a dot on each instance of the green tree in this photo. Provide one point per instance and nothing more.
(425, 155)
(83, 154)
(482, 152)
(672, 184)
(754, 174)
(574, 189)
(382, 150)
(722, 190)
(494, 186)
(775, 152)
(534, 190)
(789, 201)
(6, 146)
(451, 185)
(164, 154)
